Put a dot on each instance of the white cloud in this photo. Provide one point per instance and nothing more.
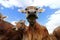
(53, 21)
(9, 3)
(50, 3)
(16, 3)
(27, 24)
(22, 3)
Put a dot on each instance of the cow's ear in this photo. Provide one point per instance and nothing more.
(41, 10)
(23, 11)
(5, 17)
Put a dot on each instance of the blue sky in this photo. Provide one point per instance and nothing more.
(49, 18)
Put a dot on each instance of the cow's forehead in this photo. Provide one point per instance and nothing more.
(31, 7)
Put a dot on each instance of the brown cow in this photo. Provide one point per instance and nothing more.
(4, 26)
(35, 31)
(56, 32)
(21, 25)
(16, 34)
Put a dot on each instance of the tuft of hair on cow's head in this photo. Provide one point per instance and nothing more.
(32, 12)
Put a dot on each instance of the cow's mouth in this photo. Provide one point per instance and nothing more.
(32, 16)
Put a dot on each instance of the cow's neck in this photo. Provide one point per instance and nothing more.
(32, 24)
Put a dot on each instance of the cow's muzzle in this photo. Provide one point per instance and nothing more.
(32, 15)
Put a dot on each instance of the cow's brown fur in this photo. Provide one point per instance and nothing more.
(52, 37)
(4, 26)
(13, 35)
(37, 32)
(56, 33)
(20, 24)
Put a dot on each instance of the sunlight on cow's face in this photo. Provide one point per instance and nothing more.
(31, 12)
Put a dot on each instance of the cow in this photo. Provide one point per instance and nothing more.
(56, 32)
(4, 26)
(17, 32)
(35, 31)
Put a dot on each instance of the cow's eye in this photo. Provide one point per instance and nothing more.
(36, 8)
(26, 9)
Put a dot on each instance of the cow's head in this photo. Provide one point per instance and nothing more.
(31, 12)
(20, 24)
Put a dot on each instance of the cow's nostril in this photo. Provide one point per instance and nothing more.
(28, 12)
(35, 12)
